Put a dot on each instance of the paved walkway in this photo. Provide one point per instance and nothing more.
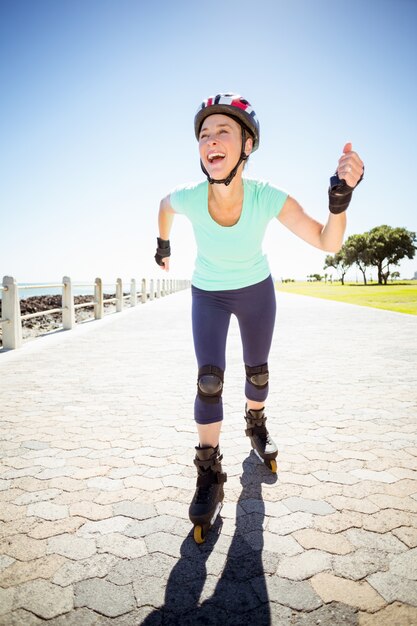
(97, 446)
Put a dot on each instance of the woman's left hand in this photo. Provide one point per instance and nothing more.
(350, 166)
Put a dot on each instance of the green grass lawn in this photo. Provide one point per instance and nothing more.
(400, 297)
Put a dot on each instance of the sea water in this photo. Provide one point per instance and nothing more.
(79, 289)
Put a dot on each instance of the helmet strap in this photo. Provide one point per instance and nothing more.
(226, 181)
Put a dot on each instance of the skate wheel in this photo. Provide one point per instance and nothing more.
(199, 536)
(273, 466)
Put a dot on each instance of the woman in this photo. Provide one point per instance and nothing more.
(229, 215)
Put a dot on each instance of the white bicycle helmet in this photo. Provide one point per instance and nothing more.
(240, 110)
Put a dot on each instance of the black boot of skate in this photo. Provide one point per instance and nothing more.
(262, 443)
(209, 494)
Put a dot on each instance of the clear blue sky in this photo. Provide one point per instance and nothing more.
(96, 121)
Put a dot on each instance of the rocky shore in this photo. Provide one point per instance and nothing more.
(49, 322)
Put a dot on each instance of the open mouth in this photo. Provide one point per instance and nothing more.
(215, 157)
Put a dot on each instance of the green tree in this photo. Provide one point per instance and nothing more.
(340, 263)
(387, 246)
(356, 250)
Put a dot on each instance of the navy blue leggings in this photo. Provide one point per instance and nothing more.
(255, 309)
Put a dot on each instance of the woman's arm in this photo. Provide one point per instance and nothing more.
(327, 237)
(165, 219)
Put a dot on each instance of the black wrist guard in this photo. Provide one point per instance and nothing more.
(163, 250)
(340, 194)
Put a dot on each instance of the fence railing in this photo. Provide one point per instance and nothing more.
(11, 317)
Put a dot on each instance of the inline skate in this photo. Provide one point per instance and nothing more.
(208, 498)
(262, 443)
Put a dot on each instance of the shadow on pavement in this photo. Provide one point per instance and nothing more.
(239, 593)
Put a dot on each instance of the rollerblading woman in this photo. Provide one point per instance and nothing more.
(229, 215)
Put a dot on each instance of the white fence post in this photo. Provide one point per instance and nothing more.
(119, 295)
(98, 299)
(68, 310)
(151, 290)
(143, 297)
(158, 288)
(133, 294)
(10, 311)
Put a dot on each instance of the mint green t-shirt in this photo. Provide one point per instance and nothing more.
(230, 257)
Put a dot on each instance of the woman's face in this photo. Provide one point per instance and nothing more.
(220, 143)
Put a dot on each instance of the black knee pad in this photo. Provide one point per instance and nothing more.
(257, 375)
(210, 383)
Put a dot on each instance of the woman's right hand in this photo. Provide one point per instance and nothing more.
(163, 252)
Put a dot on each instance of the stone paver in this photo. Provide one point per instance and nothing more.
(386, 542)
(96, 566)
(102, 596)
(112, 524)
(122, 546)
(405, 564)
(297, 595)
(384, 477)
(308, 506)
(360, 563)
(304, 565)
(6, 602)
(395, 614)
(333, 543)
(91, 511)
(23, 571)
(290, 523)
(22, 547)
(48, 511)
(358, 594)
(96, 443)
(44, 530)
(71, 546)
(278, 544)
(44, 599)
(407, 535)
(393, 587)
